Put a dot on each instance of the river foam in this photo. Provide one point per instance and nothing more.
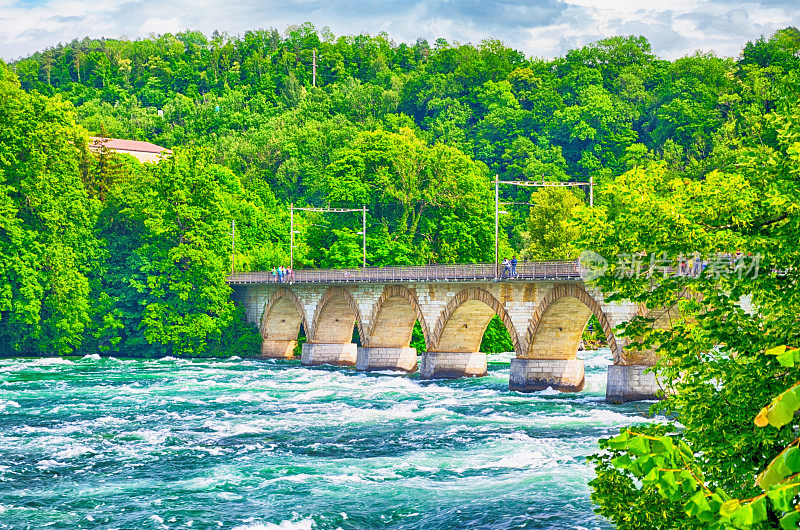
(231, 443)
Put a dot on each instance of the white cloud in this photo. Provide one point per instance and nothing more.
(543, 28)
(160, 25)
(675, 28)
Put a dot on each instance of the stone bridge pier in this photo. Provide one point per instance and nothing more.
(545, 319)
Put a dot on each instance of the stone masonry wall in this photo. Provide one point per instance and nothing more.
(631, 383)
(518, 303)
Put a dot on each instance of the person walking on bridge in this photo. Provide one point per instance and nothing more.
(506, 268)
(514, 267)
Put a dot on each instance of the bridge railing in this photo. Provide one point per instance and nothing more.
(531, 270)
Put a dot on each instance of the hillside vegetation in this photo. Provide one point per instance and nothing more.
(414, 132)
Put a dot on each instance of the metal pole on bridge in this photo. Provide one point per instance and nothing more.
(496, 225)
(364, 232)
(363, 211)
(233, 246)
(291, 236)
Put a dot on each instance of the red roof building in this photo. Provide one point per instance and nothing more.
(143, 151)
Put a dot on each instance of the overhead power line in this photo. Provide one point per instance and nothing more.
(363, 232)
(526, 184)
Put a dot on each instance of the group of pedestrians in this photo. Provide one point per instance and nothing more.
(510, 268)
(692, 266)
(719, 263)
(282, 275)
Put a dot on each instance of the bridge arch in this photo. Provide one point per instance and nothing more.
(559, 320)
(334, 317)
(392, 319)
(280, 323)
(461, 325)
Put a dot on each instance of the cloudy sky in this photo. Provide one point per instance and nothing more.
(542, 28)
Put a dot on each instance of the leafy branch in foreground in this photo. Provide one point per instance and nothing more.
(715, 352)
(667, 465)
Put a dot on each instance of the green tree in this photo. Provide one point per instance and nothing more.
(169, 233)
(431, 201)
(716, 359)
(47, 217)
(551, 231)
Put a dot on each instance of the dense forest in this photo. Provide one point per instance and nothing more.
(414, 132)
(700, 154)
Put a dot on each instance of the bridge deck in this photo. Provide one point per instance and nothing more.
(564, 270)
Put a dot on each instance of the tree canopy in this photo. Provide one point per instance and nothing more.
(413, 132)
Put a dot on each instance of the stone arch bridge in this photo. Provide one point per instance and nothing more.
(545, 310)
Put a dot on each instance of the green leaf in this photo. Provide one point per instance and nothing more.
(744, 516)
(619, 442)
(787, 357)
(781, 410)
(639, 445)
(790, 520)
(777, 350)
(686, 450)
(662, 445)
(782, 498)
(653, 476)
(775, 472)
(792, 458)
(759, 509)
(727, 508)
(697, 506)
(622, 462)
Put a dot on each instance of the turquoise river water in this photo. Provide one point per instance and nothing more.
(171, 443)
